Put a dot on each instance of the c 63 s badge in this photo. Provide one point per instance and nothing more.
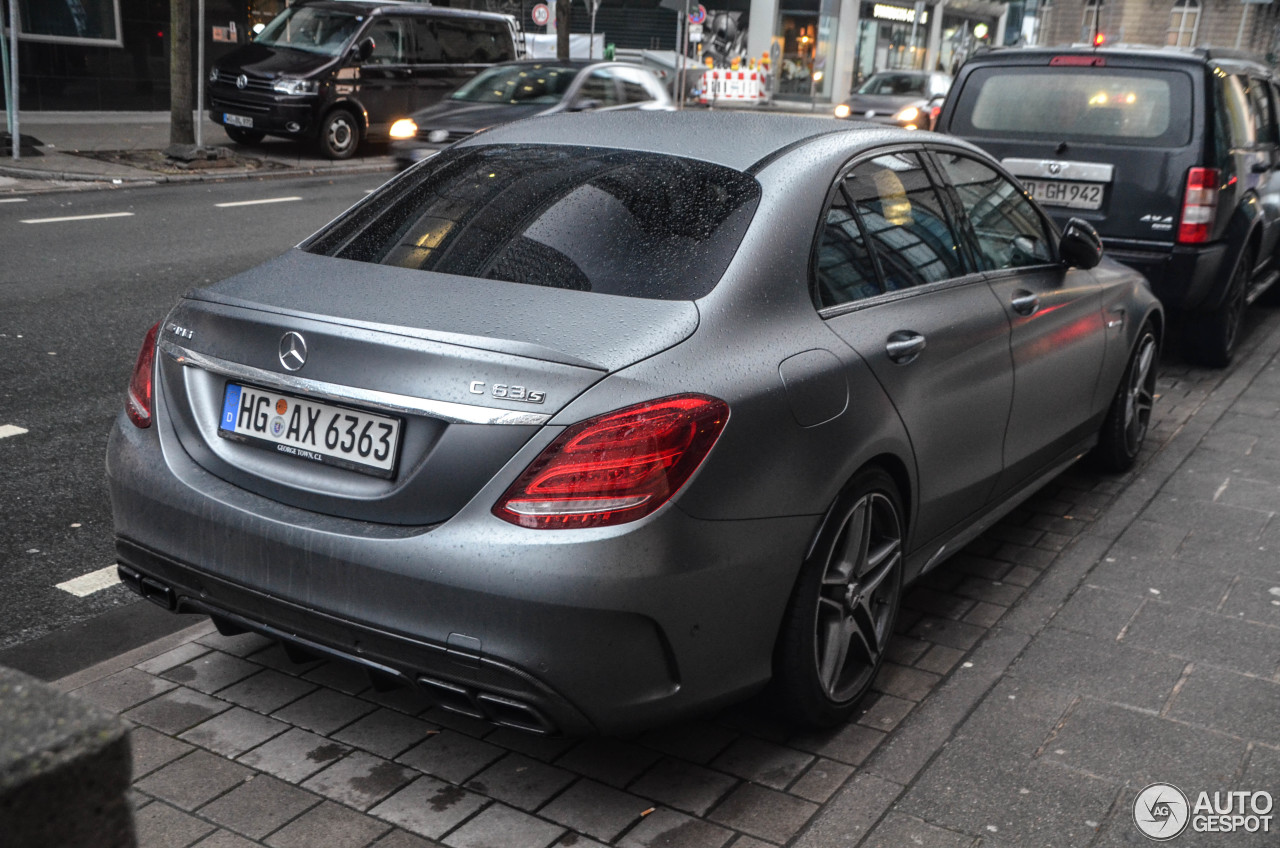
(507, 392)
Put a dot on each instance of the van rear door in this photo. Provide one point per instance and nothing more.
(1102, 138)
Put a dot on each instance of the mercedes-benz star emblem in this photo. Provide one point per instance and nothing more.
(242, 81)
(293, 351)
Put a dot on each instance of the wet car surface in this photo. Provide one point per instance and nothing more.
(584, 439)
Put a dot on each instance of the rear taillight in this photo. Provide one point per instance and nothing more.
(615, 467)
(1199, 206)
(138, 404)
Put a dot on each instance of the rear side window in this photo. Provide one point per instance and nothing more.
(1235, 107)
(608, 221)
(468, 41)
(884, 231)
(1108, 105)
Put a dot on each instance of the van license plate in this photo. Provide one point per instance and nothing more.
(236, 120)
(310, 429)
(1061, 193)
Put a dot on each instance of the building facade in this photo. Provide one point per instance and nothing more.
(1188, 23)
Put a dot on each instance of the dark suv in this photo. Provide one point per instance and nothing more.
(1171, 153)
(340, 71)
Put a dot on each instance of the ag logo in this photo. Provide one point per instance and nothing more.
(1161, 811)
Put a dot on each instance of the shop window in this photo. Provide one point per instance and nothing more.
(1184, 23)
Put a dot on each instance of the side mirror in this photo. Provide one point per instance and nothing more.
(586, 104)
(363, 50)
(1081, 246)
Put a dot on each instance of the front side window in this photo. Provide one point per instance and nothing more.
(590, 219)
(1009, 233)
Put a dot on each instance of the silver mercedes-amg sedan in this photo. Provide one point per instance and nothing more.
(594, 421)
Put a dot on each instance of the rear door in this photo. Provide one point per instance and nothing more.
(893, 282)
(1264, 169)
(1056, 329)
(1101, 137)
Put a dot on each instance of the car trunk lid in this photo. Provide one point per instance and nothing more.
(464, 371)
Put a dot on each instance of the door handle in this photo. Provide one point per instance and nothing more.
(1024, 302)
(904, 346)
(1260, 167)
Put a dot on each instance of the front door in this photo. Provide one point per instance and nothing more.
(385, 77)
(1055, 314)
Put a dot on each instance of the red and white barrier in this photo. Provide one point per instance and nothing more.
(723, 87)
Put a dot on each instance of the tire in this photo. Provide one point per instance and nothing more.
(242, 136)
(842, 610)
(1125, 427)
(1212, 337)
(339, 135)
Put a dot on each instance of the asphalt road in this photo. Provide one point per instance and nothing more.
(76, 298)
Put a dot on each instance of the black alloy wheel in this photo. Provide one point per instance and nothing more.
(1213, 336)
(339, 135)
(240, 135)
(1129, 417)
(841, 614)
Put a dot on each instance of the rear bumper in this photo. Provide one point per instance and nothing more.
(1185, 278)
(602, 630)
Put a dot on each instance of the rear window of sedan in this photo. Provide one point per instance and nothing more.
(1147, 108)
(589, 219)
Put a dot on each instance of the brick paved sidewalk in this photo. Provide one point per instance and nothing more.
(1111, 633)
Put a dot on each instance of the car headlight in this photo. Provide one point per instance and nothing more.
(910, 113)
(842, 111)
(404, 128)
(295, 86)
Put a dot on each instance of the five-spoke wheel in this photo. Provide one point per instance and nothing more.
(842, 611)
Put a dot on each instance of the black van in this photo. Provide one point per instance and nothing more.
(1171, 153)
(341, 71)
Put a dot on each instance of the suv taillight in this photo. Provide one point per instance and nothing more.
(616, 467)
(1199, 206)
(138, 403)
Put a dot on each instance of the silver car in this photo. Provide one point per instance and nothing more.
(595, 421)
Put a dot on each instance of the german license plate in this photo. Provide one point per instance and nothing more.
(1061, 193)
(311, 430)
(236, 120)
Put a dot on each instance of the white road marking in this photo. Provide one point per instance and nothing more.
(13, 200)
(7, 430)
(77, 218)
(94, 581)
(256, 202)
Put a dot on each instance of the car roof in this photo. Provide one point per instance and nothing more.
(400, 7)
(733, 139)
(1160, 53)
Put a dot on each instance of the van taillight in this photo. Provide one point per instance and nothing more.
(138, 403)
(615, 467)
(1199, 206)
